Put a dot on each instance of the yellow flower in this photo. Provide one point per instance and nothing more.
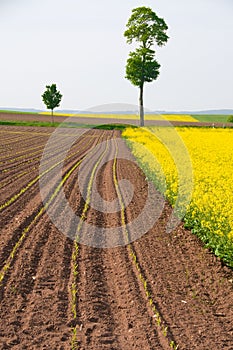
(211, 154)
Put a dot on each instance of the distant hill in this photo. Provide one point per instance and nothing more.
(204, 112)
(147, 111)
(117, 108)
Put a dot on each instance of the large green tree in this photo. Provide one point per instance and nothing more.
(146, 28)
(51, 98)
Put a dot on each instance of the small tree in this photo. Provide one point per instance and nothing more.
(145, 27)
(230, 119)
(51, 98)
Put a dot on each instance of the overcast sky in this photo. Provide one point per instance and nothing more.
(79, 45)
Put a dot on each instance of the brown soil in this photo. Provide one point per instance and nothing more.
(29, 117)
(101, 121)
(190, 288)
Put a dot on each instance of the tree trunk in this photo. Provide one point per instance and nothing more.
(141, 106)
(52, 117)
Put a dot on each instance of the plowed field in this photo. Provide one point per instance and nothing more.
(159, 291)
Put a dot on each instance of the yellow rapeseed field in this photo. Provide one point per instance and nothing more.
(179, 117)
(211, 153)
(156, 117)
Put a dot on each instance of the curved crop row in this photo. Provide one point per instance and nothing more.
(7, 142)
(158, 317)
(9, 260)
(39, 214)
(24, 189)
(29, 169)
(20, 154)
(26, 153)
(74, 291)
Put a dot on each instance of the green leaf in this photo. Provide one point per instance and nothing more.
(142, 67)
(51, 97)
(146, 27)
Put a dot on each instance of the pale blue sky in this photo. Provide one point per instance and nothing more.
(79, 45)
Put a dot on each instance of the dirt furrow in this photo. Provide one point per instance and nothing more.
(193, 292)
(95, 320)
(37, 289)
(37, 292)
(112, 310)
(197, 303)
(23, 221)
(25, 191)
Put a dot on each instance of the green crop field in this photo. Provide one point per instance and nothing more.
(211, 118)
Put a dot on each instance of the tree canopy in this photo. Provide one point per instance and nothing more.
(142, 67)
(52, 98)
(145, 27)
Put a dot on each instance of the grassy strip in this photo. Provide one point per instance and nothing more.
(16, 112)
(160, 323)
(28, 123)
(45, 124)
(113, 126)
